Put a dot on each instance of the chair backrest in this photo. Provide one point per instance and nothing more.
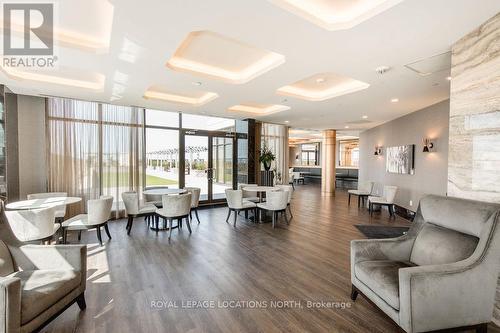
(451, 229)
(365, 187)
(176, 205)
(31, 225)
(291, 178)
(99, 210)
(131, 202)
(234, 198)
(288, 189)
(297, 175)
(195, 195)
(276, 200)
(246, 194)
(6, 263)
(46, 195)
(390, 193)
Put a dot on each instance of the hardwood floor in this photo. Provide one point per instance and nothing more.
(305, 261)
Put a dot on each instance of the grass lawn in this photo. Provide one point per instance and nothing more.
(123, 178)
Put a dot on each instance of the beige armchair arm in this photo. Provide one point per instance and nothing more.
(10, 304)
(450, 295)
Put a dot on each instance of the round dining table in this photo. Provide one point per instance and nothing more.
(163, 191)
(42, 203)
(260, 190)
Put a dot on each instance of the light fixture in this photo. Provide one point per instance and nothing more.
(197, 83)
(192, 99)
(394, 100)
(448, 78)
(378, 151)
(335, 15)
(346, 126)
(219, 57)
(286, 121)
(428, 145)
(332, 85)
(365, 117)
(259, 109)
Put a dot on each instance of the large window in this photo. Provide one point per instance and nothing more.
(349, 153)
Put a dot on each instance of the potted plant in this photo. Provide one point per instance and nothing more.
(266, 158)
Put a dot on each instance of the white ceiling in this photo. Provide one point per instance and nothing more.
(144, 35)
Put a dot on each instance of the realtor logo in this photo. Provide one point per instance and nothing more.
(32, 24)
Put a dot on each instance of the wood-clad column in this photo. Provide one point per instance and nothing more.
(328, 162)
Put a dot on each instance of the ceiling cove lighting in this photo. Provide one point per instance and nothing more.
(336, 14)
(92, 81)
(259, 109)
(192, 99)
(219, 57)
(394, 100)
(332, 85)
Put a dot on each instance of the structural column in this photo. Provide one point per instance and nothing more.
(328, 162)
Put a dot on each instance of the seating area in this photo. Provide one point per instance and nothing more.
(250, 166)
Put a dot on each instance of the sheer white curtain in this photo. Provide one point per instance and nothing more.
(94, 149)
(275, 137)
(73, 149)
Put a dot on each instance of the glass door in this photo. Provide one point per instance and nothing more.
(208, 160)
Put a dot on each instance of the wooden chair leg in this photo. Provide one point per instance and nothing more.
(371, 209)
(170, 228)
(80, 300)
(129, 224)
(79, 235)
(107, 230)
(98, 229)
(359, 201)
(196, 214)
(235, 217)
(65, 235)
(286, 218)
(228, 215)
(188, 224)
(349, 200)
(274, 219)
(482, 328)
(354, 292)
(246, 214)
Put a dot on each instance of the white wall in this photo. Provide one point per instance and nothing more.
(430, 168)
(32, 145)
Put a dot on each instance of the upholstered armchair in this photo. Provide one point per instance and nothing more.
(442, 274)
(37, 282)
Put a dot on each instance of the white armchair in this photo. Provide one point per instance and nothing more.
(60, 210)
(134, 208)
(442, 274)
(364, 191)
(387, 199)
(175, 207)
(195, 201)
(33, 225)
(236, 203)
(276, 202)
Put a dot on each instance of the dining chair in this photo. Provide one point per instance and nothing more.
(364, 190)
(35, 225)
(154, 199)
(236, 204)
(175, 207)
(387, 199)
(60, 210)
(195, 201)
(297, 176)
(98, 214)
(289, 190)
(291, 179)
(248, 195)
(276, 202)
(134, 209)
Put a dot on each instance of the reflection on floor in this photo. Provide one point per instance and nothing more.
(144, 283)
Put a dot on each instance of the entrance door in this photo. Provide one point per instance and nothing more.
(208, 164)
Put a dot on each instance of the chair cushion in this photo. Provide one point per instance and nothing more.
(436, 245)
(382, 277)
(147, 208)
(377, 200)
(358, 192)
(79, 222)
(40, 289)
(252, 199)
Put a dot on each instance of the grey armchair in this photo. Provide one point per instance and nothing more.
(37, 282)
(442, 274)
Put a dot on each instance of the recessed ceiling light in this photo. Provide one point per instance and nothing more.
(365, 117)
(346, 126)
(286, 121)
(395, 100)
(261, 109)
(448, 78)
(197, 83)
(320, 80)
(193, 99)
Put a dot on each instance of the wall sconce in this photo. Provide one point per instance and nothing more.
(378, 151)
(428, 145)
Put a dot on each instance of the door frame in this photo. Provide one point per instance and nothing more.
(210, 137)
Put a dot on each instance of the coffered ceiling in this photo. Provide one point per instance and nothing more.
(309, 64)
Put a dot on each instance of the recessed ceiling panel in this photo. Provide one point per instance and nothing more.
(322, 86)
(63, 76)
(258, 109)
(210, 54)
(432, 64)
(336, 14)
(197, 98)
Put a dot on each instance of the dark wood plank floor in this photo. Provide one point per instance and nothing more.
(305, 261)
